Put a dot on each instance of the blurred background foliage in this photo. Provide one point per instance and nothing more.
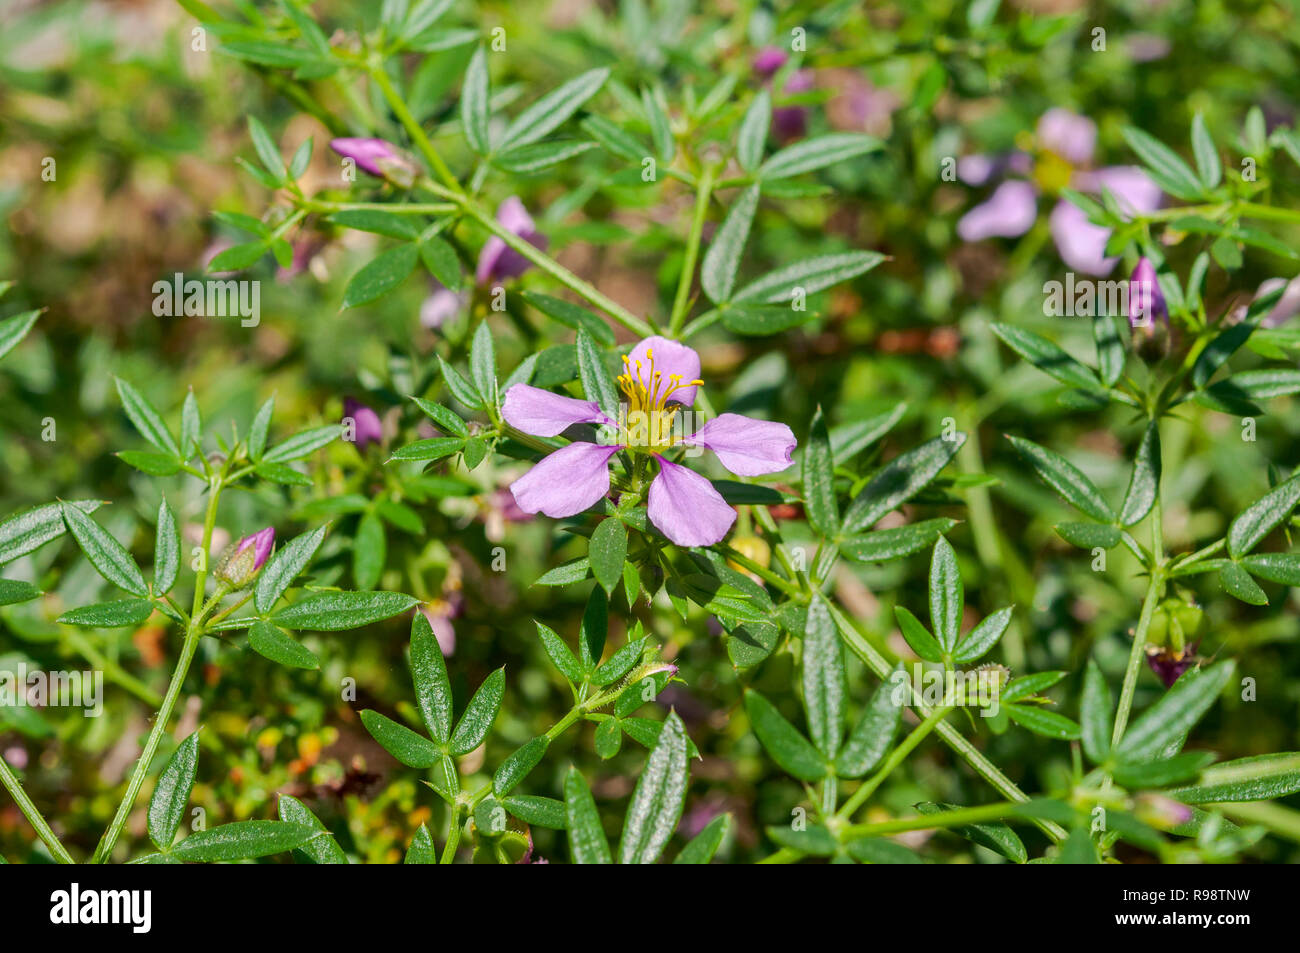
(144, 131)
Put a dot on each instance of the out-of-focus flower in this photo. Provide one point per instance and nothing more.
(857, 104)
(366, 426)
(441, 306)
(1064, 146)
(1160, 812)
(379, 158)
(788, 122)
(1287, 307)
(498, 260)
(1169, 663)
(768, 60)
(1146, 302)
(440, 612)
(249, 556)
(660, 377)
(499, 509)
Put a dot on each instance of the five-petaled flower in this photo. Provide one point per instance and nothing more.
(1063, 147)
(660, 378)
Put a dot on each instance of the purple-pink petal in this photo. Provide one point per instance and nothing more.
(983, 168)
(768, 60)
(1134, 190)
(498, 260)
(1010, 211)
(544, 414)
(686, 508)
(367, 428)
(747, 447)
(1080, 243)
(262, 542)
(566, 482)
(670, 358)
(440, 307)
(1146, 302)
(366, 153)
(1069, 135)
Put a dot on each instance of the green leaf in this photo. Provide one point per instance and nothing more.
(475, 109)
(422, 850)
(434, 448)
(900, 480)
(587, 844)
(819, 479)
(571, 315)
(283, 568)
(816, 153)
(874, 731)
(441, 261)
(1046, 723)
(878, 850)
(166, 551)
(13, 592)
(109, 615)
(172, 792)
(552, 110)
(445, 418)
(995, 836)
(242, 840)
(154, 464)
(1158, 774)
(538, 811)
(483, 364)
(811, 274)
(559, 653)
(319, 850)
(918, 636)
(268, 641)
(751, 137)
(594, 631)
(722, 260)
(331, 611)
(597, 383)
(518, 765)
(1259, 519)
(1169, 719)
(1275, 567)
(1238, 584)
(661, 131)
(1090, 535)
(606, 552)
(1144, 485)
(1169, 171)
(1065, 478)
(703, 846)
(27, 532)
(429, 673)
(381, 275)
(888, 544)
(824, 678)
(379, 222)
(575, 570)
(260, 427)
(1207, 156)
(1078, 848)
(657, 801)
(757, 320)
(1260, 384)
(369, 550)
(1111, 353)
(301, 444)
(146, 419)
(815, 839)
(947, 595)
(983, 637)
(1047, 357)
(1095, 714)
(412, 749)
(107, 555)
(531, 159)
(479, 714)
(268, 153)
(13, 330)
(1026, 685)
(1259, 778)
(614, 138)
(788, 748)
(619, 664)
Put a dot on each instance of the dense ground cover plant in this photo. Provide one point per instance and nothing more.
(696, 408)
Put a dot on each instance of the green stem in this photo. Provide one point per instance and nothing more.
(453, 836)
(896, 757)
(951, 736)
(15, 789)
(1135, 657)
(192, 635)
(681, 303)
(412, 127)
(958, 818)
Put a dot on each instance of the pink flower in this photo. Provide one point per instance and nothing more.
(1146, 302)
(381, 159)
(660, 378)
(1065, 142)
(367, 428)
(248, 557)
(498, 260)
(440, 307)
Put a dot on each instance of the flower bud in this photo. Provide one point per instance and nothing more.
(1160, 812)
(379, 158)
(366, 427)
(247, 559)
(1148, 313)
(1168, 664)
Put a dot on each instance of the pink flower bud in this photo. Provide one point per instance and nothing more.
(366, 426)
(381, 159)
(247, 558)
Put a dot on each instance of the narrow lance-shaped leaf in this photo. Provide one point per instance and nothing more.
(429, 672)
(874, 732)
(281, 570)
(166, 551)
(722, 260)
(1065, 478)
(823, 678)
(1174, 715)
(1261, 517)
(337, 611)
(107, 555)
(819, 479)
(1047, 357)
(657, 801)
(242, 840)
(606, 551)
(587, 844)
(788, 748)
(1144, 485)
(479, 714)
(146, 419)
(550, 112)
(320, 850)
(704, 845)
(946, 595)
(1095, 714)
(900, 480)
(407, 746)
(172, 792)
(474, 108)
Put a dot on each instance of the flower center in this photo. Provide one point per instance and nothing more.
(647, 416)
(1052, 172)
